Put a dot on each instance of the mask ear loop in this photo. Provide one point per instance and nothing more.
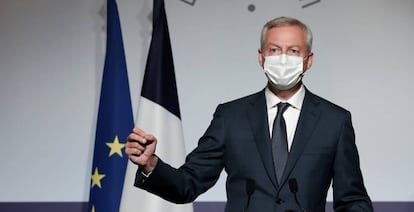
(307, 56)
(304, 59)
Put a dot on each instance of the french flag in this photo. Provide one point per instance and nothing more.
(158, 114)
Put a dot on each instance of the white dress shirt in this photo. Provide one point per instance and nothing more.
(291, 115)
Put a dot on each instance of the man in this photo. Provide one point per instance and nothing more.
(278, 157)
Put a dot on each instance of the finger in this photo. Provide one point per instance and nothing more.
(134, 150)
(135, 134)
(133, 137)
(140, 159)
(137, 152)
(142, 139)
(138, 131)
(134, 145)
(135, 159)
(149, 138)
(130, 147)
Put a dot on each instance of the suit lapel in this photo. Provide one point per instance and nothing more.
(260, 127)
(305, 127)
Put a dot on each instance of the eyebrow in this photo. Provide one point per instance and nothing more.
(278, 46)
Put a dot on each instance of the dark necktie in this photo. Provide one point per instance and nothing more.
(279, 141)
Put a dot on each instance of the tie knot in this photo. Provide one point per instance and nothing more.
(282, 106)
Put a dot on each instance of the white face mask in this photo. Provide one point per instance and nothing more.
(283, 71)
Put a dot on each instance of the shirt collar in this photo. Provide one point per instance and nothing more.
(295, 101)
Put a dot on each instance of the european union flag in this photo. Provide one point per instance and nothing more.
(114, 124)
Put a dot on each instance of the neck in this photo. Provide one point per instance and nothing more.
(284, 94)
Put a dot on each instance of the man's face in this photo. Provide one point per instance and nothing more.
(289, 40)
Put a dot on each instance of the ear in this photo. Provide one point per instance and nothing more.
(308, 63)
(260, 57)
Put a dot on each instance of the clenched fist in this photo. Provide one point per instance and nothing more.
(140, 148)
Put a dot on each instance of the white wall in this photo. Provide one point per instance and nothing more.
(51, 61)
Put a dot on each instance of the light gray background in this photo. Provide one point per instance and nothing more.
(51, 62)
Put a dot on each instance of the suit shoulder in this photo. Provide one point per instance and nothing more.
(240, 105)
(244, 100)
(326, 104)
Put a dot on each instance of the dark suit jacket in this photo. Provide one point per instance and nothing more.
(238, 140)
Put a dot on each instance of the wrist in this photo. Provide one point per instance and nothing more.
(150, 166)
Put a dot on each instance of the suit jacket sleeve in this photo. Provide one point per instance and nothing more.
(348, 186)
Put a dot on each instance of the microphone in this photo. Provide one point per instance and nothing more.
(293, 186)
(250, 187)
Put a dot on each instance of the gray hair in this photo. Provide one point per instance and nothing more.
(286, 21)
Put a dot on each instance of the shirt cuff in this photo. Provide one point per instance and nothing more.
(146, 175)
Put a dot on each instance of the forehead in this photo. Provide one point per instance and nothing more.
(285, 35)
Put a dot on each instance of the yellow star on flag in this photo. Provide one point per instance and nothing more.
(93, 208)
(116, 147)
(96, 178)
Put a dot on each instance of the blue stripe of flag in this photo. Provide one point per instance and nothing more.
(159, 83)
